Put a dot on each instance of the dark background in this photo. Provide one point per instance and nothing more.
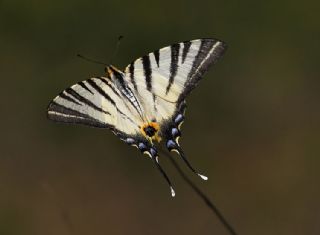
(252, 124)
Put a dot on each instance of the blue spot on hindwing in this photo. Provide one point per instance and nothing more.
(171, 145)
(142, 147)
(153, 152)
(178, 119)
(175, 132)
(130, 141)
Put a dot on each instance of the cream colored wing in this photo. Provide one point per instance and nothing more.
(95, 102)
(162, 79)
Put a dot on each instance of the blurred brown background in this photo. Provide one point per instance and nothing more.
(252, 125)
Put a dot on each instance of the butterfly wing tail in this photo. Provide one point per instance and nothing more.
(147, 148)
(172, 134)
(152, 152)
(156, 161)
(173, 146)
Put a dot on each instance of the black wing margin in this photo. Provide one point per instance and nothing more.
(88, 103)
(209, 52)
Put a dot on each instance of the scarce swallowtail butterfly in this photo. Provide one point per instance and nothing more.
(145, 103)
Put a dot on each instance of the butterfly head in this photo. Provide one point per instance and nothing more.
(113, 71)
(151, 131)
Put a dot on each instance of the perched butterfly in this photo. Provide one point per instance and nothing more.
(145, 103)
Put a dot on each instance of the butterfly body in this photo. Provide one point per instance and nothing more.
(145, 103)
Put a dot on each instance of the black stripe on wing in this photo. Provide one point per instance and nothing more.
(186, 47)
(174, 64)
(204, 50)
(84, 86)
(101, 91)
(60, 113)
(209, 52)
(157, 56)
(107, 97)
(131, 71)
(147, 71)
(68, 98)
(106, 82)
(82, 99)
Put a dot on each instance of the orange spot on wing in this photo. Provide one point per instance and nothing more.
(156, 126)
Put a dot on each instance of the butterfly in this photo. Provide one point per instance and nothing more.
(144, 104)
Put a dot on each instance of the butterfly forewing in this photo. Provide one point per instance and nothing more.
(172, 71)
(165, 77)
(95, 102)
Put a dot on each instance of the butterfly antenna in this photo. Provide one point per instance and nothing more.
(156, 161)
(116, 49)
(91, 60)
(184, 158)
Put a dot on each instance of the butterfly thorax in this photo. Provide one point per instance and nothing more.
(150, 130)
(117, 76)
